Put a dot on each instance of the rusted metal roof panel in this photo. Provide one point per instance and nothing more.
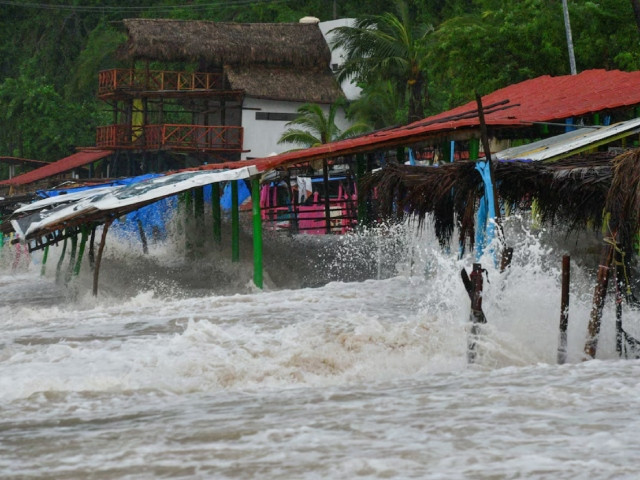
(542, 99)
(55, 168)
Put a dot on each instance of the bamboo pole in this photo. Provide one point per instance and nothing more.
(96, 271)
(564, 309)
(599, 295)
(257, 233)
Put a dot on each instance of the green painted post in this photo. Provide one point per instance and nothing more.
(83, 243)
(235, 223)
(61, 259)
(257, 232)
(446, 152)
(596, 119)
(72, 257)
(216, 213)
(361, 168)
(45, 254)
(474, 148)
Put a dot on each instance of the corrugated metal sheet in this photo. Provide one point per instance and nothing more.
(64, 165)
(570, 143)
(542, 99)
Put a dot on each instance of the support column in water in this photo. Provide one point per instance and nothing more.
(83, 242)
(257, 232)
(216, 213)
(235, 223)
(361, 168)
(45, 254)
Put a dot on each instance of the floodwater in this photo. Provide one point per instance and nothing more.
(181, 369)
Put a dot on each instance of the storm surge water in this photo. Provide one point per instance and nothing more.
(350, 364)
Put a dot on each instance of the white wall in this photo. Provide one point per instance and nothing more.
(350, 90)
(261, 136)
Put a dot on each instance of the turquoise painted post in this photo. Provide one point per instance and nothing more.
(235, 223)
(1, 235)
(216, 213)
(257, 233)
(452, 151)
(45, 254)
(83, 243)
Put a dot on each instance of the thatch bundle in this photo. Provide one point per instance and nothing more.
(576, 191)
(286, 44)
(295, 85)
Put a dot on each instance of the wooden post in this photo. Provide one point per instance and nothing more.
(216, 213)
(327, 204)
(564, 309)
(591, 345)
(235, 223)
(620, 285)
(257, 233)
(96, 271)
(92, 253)
(143, 238)
(473, 285)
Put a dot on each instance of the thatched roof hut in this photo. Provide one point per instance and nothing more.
(581, 192)
(282, 61)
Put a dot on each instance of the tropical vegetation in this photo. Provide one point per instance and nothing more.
(427, 55)
(312, 127)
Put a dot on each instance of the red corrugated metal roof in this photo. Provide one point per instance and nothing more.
(541, 99)
(63, 165)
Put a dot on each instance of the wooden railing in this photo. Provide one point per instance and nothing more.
(156, 80)
(171, 137)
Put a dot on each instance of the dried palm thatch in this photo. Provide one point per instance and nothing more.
(623, 200)
(217, 43)
(573, 191)
(285, 84)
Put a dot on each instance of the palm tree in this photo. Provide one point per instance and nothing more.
(387, 47)
(316, 128)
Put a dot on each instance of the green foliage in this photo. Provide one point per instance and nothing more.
(38, 123)
(312, 127)
(507, 41)
(387, 47)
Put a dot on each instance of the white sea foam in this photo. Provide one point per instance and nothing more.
(365, 378)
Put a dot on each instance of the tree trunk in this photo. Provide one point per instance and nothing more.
(417, 98)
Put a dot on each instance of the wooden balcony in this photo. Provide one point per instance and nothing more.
(171, 137)
(137, 81)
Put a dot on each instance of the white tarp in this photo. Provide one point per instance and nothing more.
(48, 213)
